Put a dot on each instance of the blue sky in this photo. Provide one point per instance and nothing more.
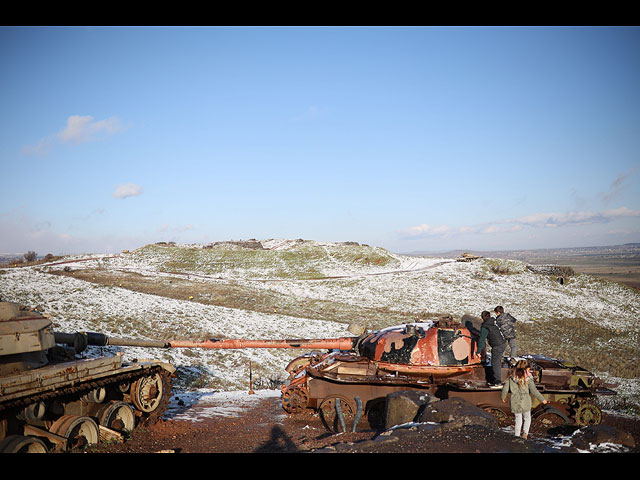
(418, 138)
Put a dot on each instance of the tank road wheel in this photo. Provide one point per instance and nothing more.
(79, 431)
(97, 395)
(150, 395)
(329, 413)
(117, 416)
(22, 444)
(295, 400)
(547, 417)
(588, 414)
(147, 393)
(124, 387)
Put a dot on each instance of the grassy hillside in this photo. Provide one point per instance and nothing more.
(305, 289)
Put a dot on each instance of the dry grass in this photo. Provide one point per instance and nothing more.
(502, 266)
(301, 262)
(230, 294)
(590, 346)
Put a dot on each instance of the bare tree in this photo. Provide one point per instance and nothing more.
(30, 256)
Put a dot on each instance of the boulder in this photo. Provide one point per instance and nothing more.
(458, 412)
(598, 434)
(405, 406)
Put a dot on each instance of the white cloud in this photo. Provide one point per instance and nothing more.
(40, 148)
(84, 129)
(498, 229)
(425, 230)
(128, 190)
(536, 220)
(79, 129)
(572, 218)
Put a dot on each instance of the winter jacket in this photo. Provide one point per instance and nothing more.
(520, 395)
(489, 331)
(506, 323)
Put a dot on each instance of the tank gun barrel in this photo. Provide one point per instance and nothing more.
(343, 343)
(80, 340)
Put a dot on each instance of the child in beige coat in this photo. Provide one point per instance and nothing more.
(521, 386)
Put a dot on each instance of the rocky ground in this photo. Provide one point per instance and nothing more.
(264, 428)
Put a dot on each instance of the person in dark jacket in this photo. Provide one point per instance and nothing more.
(506, 323)
(489, 332)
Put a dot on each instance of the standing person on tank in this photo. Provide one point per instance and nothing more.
(489, 332)
(506, 323)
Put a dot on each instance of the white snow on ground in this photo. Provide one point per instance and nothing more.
(75, 305)
(402, 283)
(207, 403)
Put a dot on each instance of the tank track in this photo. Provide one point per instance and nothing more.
(12, 422)
(79, 389)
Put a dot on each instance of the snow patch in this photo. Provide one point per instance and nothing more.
(197, 405)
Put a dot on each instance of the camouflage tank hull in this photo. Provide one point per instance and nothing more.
(51, 400)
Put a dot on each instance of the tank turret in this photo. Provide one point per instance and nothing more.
(25, 337)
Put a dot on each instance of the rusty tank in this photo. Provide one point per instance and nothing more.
(437, 357)
(51, 399)
(349, 382)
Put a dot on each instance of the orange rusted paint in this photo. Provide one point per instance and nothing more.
(422, 347)
(426, 370)
(343, 343)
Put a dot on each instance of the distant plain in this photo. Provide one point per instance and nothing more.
(618, 263)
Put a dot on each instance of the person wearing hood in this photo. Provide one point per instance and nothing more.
(506, 323)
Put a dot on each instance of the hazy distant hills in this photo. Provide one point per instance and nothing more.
(619, 263)
(628, 251)
(9, 257)
(627, 254)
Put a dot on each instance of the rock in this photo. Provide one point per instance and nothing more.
(557, 270)
(458, 412)
(597, 434)
(405, 406)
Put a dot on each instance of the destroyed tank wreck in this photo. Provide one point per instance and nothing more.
(439, 358)
(52, 400)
